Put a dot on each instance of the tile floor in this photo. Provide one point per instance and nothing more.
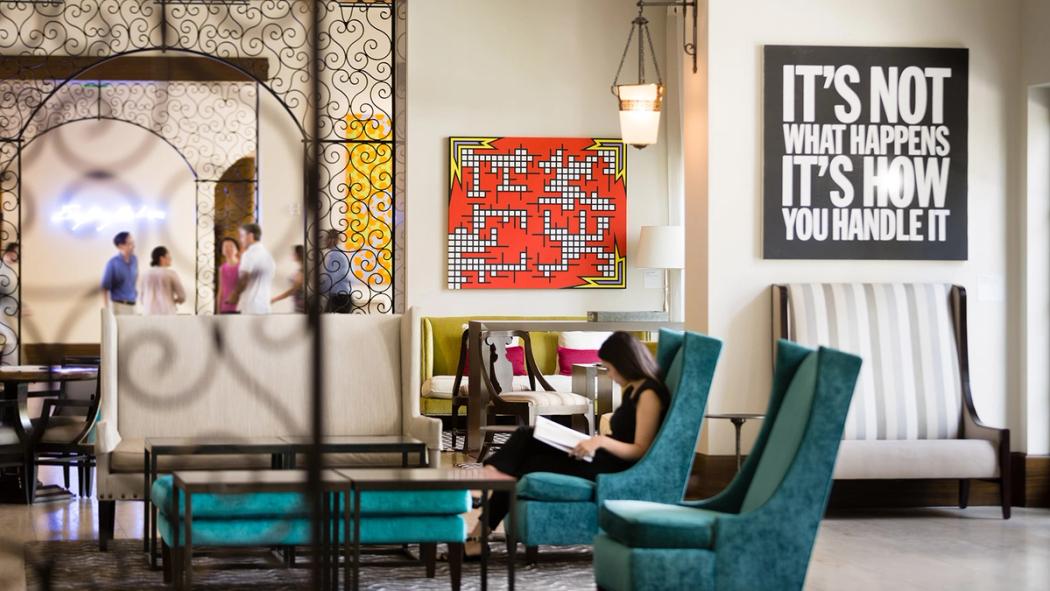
(900, 550)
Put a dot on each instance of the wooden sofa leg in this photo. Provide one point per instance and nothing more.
(964, 493)
(107, 514)
(1004, 496)
(455, 564)
(532, 554)
(428, 552)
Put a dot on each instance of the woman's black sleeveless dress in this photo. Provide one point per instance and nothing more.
(522, 454)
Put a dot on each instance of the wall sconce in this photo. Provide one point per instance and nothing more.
(640, 103)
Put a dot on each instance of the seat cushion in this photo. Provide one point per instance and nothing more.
(128, 457)
(548, 486)
(919, 458)
(564, 400)
(641, 524)
(296, 532)
(441, 386)
(8, 436)
(65, 432)
(264, 505)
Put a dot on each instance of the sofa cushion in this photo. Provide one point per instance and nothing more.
(642, 524)
(261, 505)
(909, 385)
(296, 532)
(928, 458)
(549, 486)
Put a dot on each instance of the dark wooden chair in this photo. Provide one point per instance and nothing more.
(16, 445)
(62, 435)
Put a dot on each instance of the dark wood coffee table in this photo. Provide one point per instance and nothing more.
(193, 482)
(393, 479)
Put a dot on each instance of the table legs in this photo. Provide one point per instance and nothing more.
(737, 424)
(512, 543)
(357, 541)
(146, 507)
(151, 477)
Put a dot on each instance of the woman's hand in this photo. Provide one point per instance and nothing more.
(587, 447)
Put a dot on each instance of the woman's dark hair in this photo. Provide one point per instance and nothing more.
(630, 357)
(157, 254)
(300, 252)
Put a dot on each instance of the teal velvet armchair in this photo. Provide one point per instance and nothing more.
(555, 509)
(758, 533)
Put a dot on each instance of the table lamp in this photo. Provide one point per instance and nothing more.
(661, 247)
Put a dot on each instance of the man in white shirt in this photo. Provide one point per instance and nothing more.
(255, 273)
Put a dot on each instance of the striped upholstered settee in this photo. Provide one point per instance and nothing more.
(912, 415)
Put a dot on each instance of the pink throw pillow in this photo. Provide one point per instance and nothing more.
(569, 357)
(516, 356)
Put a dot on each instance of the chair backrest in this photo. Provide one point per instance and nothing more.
(768, 545)
(184, 376)
(688, 362)
(910, 387)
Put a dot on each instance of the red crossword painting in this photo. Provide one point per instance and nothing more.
(537, 213)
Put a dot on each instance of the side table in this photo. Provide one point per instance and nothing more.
(738, 419)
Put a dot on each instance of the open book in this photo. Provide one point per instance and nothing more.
(558, 436)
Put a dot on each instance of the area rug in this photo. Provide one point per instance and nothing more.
(65, 566)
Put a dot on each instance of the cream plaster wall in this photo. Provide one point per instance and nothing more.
(540, 68)
(738, 277)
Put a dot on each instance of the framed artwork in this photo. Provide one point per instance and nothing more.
(866, 153)
(537, 213)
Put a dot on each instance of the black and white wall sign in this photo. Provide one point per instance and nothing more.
(865, 153)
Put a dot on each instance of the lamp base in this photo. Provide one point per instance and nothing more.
(628, 316)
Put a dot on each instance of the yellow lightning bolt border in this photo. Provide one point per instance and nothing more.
(455, 150)
(617, 281)
(621, 154)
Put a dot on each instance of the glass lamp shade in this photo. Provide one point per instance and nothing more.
(640, 113)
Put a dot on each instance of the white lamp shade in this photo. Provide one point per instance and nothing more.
(661, 247)
(640, 113)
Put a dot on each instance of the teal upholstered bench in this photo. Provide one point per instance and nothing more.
(425, 517)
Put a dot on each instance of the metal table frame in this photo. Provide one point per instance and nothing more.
(437, 479)
(248, 481)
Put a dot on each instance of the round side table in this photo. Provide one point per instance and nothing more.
(738, 419)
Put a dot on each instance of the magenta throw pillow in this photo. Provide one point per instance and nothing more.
(569, 357)
(516, 356)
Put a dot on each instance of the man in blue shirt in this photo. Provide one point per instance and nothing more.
(336, 276)
(121, 276)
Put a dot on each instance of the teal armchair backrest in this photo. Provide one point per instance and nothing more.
(688, 361)
(730, 499)
(767, 544)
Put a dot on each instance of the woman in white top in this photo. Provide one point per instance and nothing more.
(161, 288)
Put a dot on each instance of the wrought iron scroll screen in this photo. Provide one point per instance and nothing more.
(359, 127)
